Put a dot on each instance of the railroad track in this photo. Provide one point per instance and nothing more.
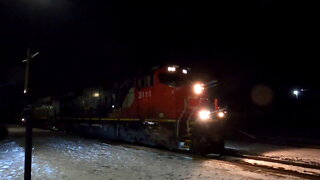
(303, 170)
(307, 171)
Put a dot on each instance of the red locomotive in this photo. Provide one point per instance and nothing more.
(160, 108)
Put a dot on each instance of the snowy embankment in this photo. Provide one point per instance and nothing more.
(60, 156)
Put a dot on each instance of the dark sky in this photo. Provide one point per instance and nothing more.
(82, 42)
(256, 49)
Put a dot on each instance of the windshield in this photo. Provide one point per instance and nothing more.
(173, 79)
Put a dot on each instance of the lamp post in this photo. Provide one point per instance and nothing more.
(28, 120)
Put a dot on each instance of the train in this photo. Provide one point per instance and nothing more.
(162, 107)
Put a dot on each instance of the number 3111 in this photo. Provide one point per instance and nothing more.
(144, 94)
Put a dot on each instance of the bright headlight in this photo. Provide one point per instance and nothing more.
(198, 88)
(221, 114)
(204, 115)
(171, 69)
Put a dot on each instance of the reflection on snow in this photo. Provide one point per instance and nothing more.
(12, 163)
(65, 157)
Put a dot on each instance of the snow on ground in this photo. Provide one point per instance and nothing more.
(60, 156)
(303, 155)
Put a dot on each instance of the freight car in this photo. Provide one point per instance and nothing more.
(162, 107)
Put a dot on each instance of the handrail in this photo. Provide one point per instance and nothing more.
(180, 117)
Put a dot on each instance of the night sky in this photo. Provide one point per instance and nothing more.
(243, 44)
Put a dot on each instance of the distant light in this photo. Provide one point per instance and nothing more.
(171, 69)
(184, 71)
(112, 106)
(22, 119)
(25, 91)
(96, 94)
(296, 93)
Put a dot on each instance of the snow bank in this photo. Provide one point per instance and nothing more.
(64, 157)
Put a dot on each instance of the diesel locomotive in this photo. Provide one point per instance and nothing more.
(162, 107)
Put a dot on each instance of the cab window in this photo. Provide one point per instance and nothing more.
(173, 79)
(145, 81)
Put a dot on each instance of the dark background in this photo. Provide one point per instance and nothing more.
(255, 49)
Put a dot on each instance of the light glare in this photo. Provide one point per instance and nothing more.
(204, 114)
(171, 69)
(221, 114)
(198, 88)
(184, 71)
(296, 93)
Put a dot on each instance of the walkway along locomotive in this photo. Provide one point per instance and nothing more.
(161, 108)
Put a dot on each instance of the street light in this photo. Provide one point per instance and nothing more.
(296, 93)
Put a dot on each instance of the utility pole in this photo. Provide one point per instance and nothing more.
(28, 119)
